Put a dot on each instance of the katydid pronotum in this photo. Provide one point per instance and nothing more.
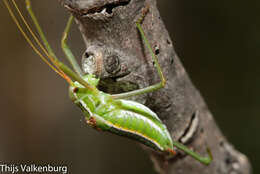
(106, 112)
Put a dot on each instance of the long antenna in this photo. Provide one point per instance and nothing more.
(56, 69)
(66, 72)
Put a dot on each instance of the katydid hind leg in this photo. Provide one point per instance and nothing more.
(69, 55)
(154, 87)
(204, 160)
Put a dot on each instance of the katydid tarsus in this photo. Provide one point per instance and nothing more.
(107, 112)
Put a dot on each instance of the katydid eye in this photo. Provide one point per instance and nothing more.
(75, 90)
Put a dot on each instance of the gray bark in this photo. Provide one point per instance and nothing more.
(108, 26)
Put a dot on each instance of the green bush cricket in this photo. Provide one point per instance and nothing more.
(106, 112)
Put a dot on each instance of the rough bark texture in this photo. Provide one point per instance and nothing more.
(108, 26)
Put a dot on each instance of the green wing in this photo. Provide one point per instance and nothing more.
(139, 108)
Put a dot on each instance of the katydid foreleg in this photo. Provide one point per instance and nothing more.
(65, 69)
(71, 58)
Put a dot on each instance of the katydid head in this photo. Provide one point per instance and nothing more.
(76, 86)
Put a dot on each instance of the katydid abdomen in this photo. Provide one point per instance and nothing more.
(122, 117)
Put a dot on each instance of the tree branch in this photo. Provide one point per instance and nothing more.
(109, 27)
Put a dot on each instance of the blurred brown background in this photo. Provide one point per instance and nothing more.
(217, 42)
